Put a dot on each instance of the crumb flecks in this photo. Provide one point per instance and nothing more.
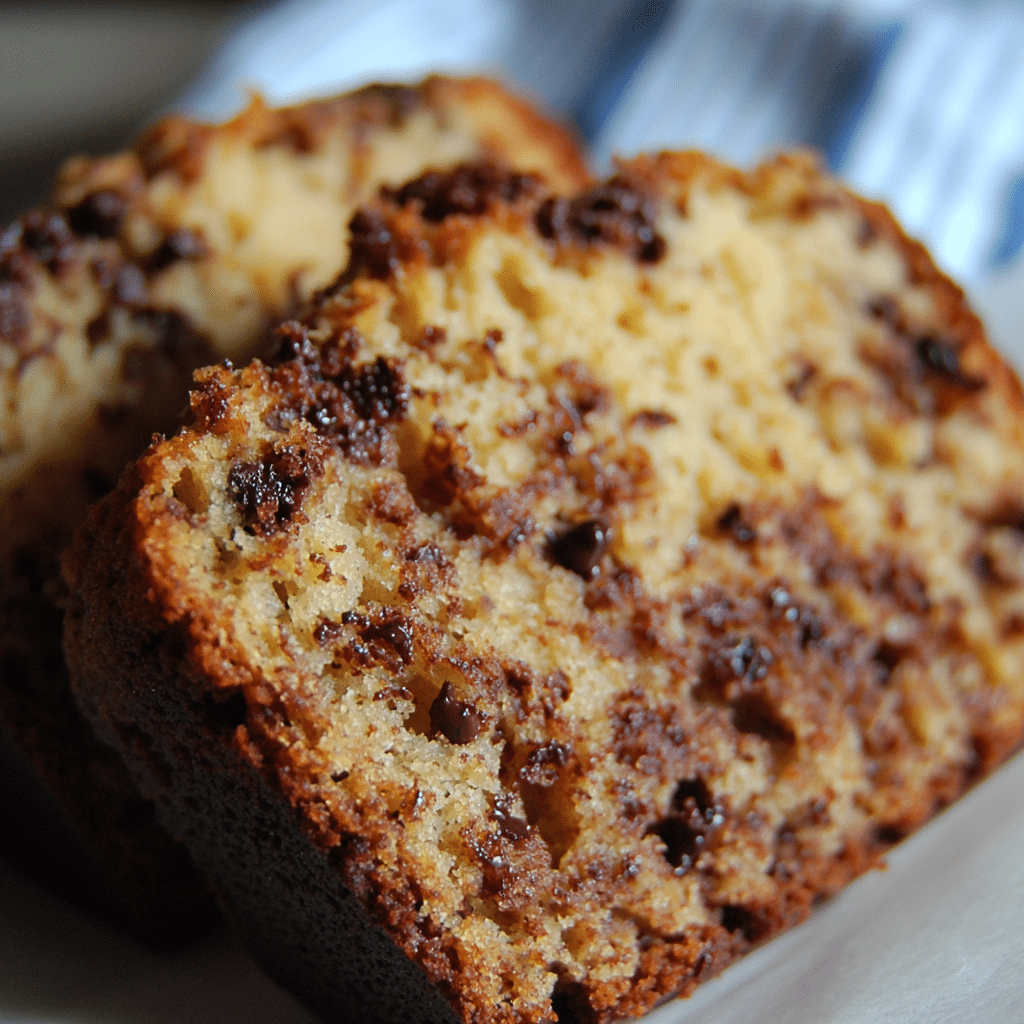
(625, 658)
(147, 264)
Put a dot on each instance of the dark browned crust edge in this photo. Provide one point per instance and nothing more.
(177, 144)
(814, 880)
(188, 749)
(146, 884)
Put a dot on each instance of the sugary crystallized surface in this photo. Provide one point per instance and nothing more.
(605, 579)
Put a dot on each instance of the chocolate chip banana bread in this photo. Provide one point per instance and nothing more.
(185, 250)
(589, 586)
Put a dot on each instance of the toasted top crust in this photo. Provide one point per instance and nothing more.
(185, 249)
(603, 579)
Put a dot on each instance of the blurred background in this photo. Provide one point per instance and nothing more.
(917, 103)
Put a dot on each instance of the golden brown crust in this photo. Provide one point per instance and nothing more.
(148, 264)
(603, 580)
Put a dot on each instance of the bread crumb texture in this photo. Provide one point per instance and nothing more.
(604, 580)
(188, 249)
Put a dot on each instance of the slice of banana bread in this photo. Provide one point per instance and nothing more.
(590, 586)
(182, 251)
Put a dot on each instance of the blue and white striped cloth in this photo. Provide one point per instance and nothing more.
(920, 104)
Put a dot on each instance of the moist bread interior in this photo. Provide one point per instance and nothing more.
(186, 249)
(601, 580)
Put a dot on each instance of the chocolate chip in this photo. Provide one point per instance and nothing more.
(731, 521)
(616, 212)
(544, 764)
(430, 337)
(886, 657)
(352, 405)
(98, 328)
(180, 244)
(652, 419)
(469, 189)
(373, 249)
(456, 719)
(733, 658)
(942, 358)
(580, 549)
(48, 237)
(752, 923)
(752, 713)
(387, 638)
(685, 830)
(327, 632)
(269, 492)
(377, 390)
(512, 828)
(99, 214)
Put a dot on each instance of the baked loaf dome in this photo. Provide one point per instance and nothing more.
(182, 251)
(590, 586)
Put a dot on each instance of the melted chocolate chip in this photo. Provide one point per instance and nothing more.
(616, 213)
(99, 214)
(942, 357)
(1009, 512)
(807, 624)
(544, 763)
(327, 632)
(377, 390)
(269, 492)
(887, 309)
(580, 549)
(48, 237)
(685, 830)
(752, 924)
(752, 713)
(98, 328)
(513, 829)
(180, 244)
(886, 657)
(797, 386)
(388, 638)
(351, 405)
(652, 419)
(919, 363)
(455, 719)
(431, 337)
(374, 250)
(743, 659)
(469, 189)
(731, 522)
